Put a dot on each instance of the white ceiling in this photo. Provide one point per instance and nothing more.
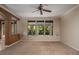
(25, 10)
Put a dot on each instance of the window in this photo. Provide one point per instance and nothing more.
(49, 27)
(47, 30)
(14, 27)
(40, 27)
(3, 27)
(31, 30)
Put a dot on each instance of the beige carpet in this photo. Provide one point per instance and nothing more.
(39, 48)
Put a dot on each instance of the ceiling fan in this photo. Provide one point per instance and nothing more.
(41, 9)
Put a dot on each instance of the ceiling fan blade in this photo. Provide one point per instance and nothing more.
(47, 10)
(35, 11)
(41, 9)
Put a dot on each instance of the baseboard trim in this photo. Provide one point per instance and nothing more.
(40, 41)
(70, 46)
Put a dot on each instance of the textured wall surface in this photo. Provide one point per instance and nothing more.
(70, 28)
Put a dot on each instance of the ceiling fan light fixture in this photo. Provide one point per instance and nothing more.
(40, 8)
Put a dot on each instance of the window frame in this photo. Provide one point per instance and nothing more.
(35, 22)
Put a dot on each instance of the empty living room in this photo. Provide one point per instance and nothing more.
(39, 29)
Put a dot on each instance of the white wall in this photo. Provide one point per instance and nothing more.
(54, 37)
(70, 28)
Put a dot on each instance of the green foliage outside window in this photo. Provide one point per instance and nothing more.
(47, 30)
(31, 30)
(40, 28)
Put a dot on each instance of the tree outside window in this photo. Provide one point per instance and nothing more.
(40, 28)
